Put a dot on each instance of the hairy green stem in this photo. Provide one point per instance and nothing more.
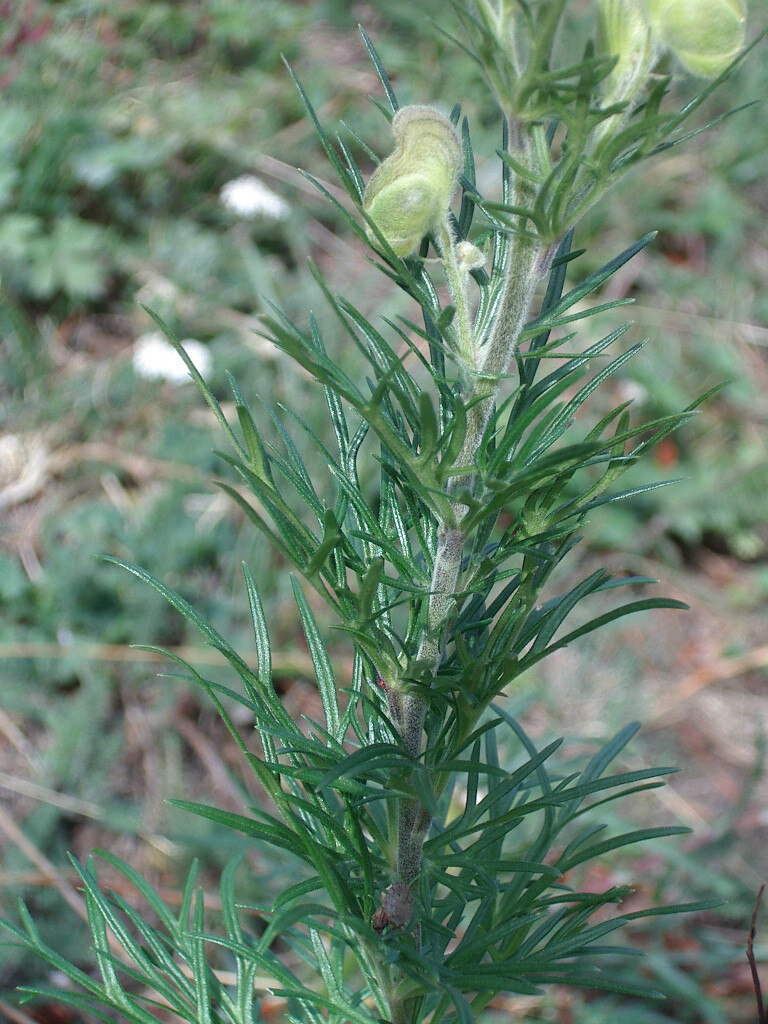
(485, 361)
(495, 356)
(458, 280)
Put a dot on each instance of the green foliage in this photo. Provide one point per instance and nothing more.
(436, 873)
(538, 929)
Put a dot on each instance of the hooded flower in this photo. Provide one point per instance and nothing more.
(410, 192)
(625, 35)
(705, 35)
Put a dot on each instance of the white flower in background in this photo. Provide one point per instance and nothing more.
(154, 358)
(248, 197)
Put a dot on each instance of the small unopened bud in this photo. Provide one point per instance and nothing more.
(469, 257)
(705, 35)
(410, 192)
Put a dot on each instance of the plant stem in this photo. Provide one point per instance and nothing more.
(458, 280)
(484, 361)
(493, 358)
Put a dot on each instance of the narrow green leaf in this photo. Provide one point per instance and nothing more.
(212, 636)
(618, 842)
(332, 536)
(617, 613)
(383, 77)
(270, 830)
(589, 284)
(198, 379)
(368, 761)
(345, 177)
(254, 447)
(326, 683)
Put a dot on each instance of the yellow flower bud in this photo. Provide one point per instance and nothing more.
(625, 34)
(410, 192)
(705, 35)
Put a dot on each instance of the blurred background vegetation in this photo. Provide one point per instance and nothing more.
(121, 121)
